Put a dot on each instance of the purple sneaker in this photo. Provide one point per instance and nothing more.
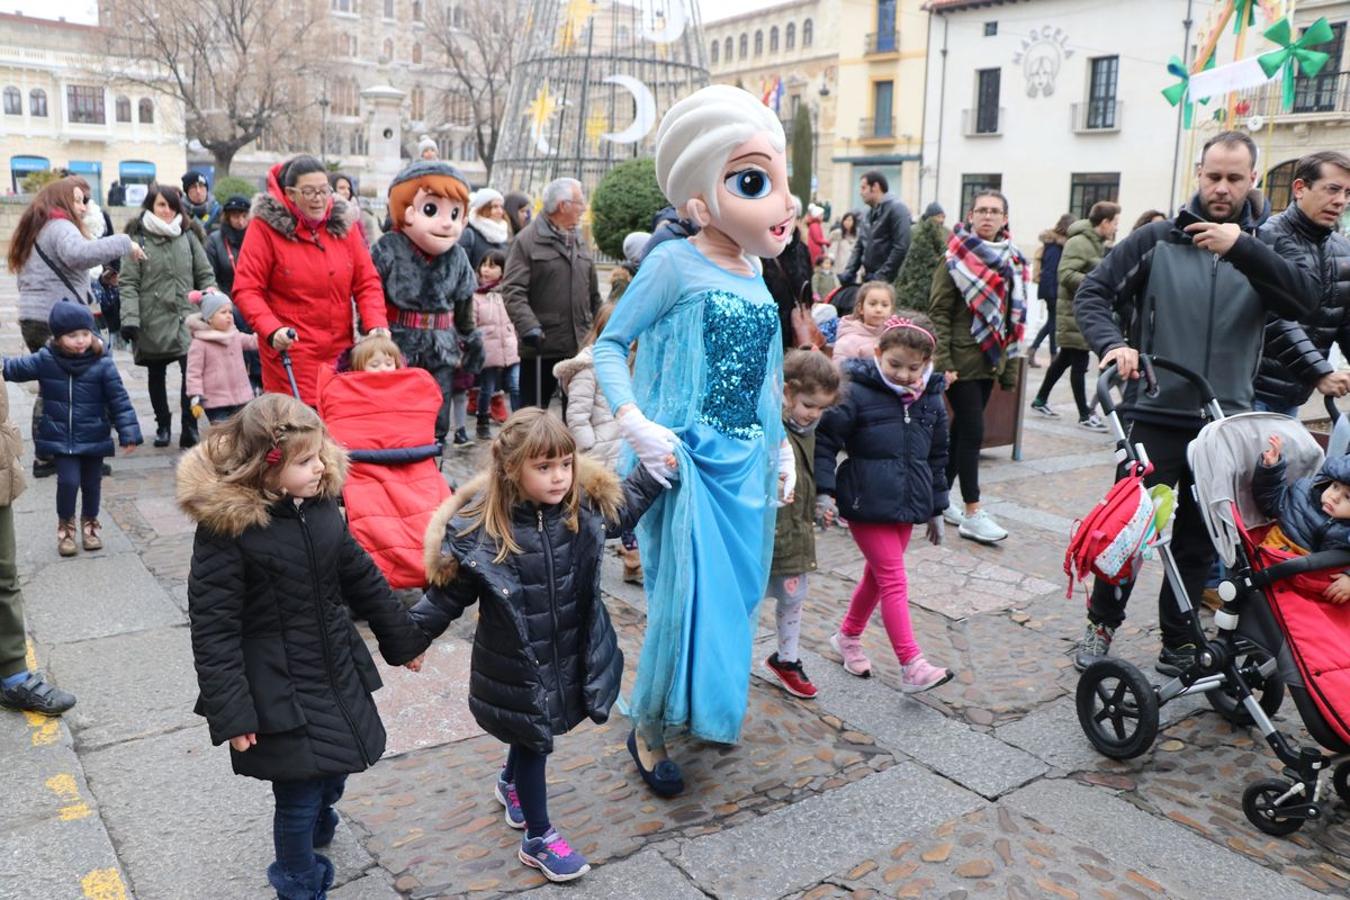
(506, 795)
(553, 856)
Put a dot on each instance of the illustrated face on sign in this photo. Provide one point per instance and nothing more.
(754, 207)
(433, 222)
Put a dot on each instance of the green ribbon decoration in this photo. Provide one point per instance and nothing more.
(1244, 14)
(1179, 92)
(1310, 61)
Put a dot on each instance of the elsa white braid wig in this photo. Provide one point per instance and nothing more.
(697, 136)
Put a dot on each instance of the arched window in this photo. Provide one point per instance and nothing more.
(773, 39)
(727, 51)
(759, 43)
(417, 54)
(417, 10)
(790, 36)
(37, 103)
(387, 50)
(123, 104)
(13, 102)
(745, 45)
(716, 45)
(457, 17)
(806, 34)
(419, 104)
(145, 111)
(388, 9)
(468, 151)
(1279, 185)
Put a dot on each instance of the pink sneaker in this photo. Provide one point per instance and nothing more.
(919, 676)
(850, 648)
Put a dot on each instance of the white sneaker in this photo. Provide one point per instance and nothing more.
(1093, 423)
(978, 526)
(953, 514)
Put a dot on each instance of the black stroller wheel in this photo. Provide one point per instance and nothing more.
(1117, 708)
(1340, 779)
(1269, 691)
(1258, 803)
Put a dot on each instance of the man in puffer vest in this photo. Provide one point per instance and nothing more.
(1197, 292)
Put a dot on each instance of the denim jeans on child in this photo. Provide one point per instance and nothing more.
(493, 379)
(304, 817)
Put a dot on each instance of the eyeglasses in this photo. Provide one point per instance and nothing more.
(987, 211)
(310, 193)
(1334, 190)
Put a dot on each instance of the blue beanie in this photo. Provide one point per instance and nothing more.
(68, 316)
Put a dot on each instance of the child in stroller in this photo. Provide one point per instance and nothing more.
(1272, 633)
(1311, 514)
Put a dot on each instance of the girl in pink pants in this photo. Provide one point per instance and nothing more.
(893, 426)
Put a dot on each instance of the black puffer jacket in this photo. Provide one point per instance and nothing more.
(274, 646)
(1298, 506)
(545, 656)
(1294, 356)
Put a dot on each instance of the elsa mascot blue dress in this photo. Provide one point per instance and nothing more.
(707, 380)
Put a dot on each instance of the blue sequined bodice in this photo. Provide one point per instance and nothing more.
(736, 338)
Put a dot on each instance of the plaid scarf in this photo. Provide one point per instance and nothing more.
(984, 271)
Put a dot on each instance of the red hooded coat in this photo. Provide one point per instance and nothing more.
(289, 276)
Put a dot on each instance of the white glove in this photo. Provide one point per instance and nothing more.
(653, 443)
(787, 473)
(936, 529)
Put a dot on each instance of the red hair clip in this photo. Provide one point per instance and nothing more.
(274, 455)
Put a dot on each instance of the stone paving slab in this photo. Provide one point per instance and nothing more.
(427, 708)
(60, 859)
(976, 761)
(839, 827)
(155, 791)
(645, 874)
(375, 886)
(36, 750)
(1157, 848)
(90, 597)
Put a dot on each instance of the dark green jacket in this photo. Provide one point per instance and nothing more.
(794, 539)
(154, 292)
(1081, 254)
(956, 347)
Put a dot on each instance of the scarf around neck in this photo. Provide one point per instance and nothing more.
(153, 224)
(906, 393)
(992, 277)
(493, 232)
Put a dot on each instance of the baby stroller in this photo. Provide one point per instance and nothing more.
(1269, 638)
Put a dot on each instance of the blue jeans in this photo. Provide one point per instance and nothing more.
(493, 379)
(1260, 405)
(304, 818)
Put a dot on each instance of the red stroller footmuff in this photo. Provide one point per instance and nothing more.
(387, 423)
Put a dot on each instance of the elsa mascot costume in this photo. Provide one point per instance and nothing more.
(703, 408)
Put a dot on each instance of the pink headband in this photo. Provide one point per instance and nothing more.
(899, 322)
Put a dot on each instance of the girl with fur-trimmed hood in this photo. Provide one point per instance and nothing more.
(285, 677)
(524, 539)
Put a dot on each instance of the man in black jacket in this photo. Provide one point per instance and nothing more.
(1294, 360)
(1198, 295)
(884, 238)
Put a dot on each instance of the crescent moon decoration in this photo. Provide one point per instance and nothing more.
(645, 116)
(674, 21)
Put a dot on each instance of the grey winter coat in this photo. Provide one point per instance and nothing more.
(74, 255)
(1298, 506)
(552, 286)
(154, 292)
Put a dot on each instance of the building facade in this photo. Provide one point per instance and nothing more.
(59, 109)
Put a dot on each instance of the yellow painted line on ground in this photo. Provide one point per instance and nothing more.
(64, 787)
(103, 884)
(46, 730)
(30, 656)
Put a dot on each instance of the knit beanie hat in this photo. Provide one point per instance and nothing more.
(633, 245)
(933, 209)
(212, 303)
(482, 197)
(194, 177)
(426, 143)
(68, 316)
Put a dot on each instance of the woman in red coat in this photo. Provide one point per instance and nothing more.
(301, 264)
(816, 241)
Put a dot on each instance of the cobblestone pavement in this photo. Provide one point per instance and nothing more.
(985, 786)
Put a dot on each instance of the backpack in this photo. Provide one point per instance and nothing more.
(1109, 541)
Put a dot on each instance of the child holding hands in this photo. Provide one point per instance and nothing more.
(284, 676)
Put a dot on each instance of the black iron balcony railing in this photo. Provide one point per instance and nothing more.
(876, 129)
(1097, 115)
(881, 42)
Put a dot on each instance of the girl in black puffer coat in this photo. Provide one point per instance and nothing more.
(284, 675)
(525, 539)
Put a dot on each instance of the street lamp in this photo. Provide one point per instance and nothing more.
(323, 129)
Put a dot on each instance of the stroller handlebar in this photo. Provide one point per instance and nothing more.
(1147, 364)
(1313, 562)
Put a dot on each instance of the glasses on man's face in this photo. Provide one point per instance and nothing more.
(990, 212)
(1334, 190)
(310, 193)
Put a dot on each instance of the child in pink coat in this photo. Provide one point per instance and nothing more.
(501, 367)
(217, 378)
(859, 330)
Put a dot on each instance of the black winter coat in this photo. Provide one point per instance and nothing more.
(1298, 506)
(274, 645)
(896, 470)
(545, 656)
(1294, 355)
(82, 401)
(785, 277)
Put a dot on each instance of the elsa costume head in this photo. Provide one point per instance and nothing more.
(697, 136)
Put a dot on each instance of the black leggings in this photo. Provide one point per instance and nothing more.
(1076, 363)
(525, 769)
(968, 399)
(155, 370)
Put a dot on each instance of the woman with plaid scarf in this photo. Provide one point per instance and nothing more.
(978, 308)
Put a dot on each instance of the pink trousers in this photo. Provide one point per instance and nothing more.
(884, 581)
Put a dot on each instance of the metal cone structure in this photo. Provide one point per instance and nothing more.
(596, 77)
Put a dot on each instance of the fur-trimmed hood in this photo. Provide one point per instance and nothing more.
(601, 489)
(566, 370)
(269, 207)
(228, 508)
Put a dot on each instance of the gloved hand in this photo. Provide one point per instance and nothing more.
(196, 405)
(130, 332)
(787, 473)
(827, 513)
(935, 531)
(653, 443)
(533, 338)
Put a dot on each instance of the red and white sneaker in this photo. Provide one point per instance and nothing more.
(792, 676)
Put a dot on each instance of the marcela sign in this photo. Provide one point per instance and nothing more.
(1041, 55)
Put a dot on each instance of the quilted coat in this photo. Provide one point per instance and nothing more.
(896, 470)
(272, 639)
(588, 414)
(287, 276)
(545, 656)
(387, 423)
(155, 291)
(1298, 506)
(83, 400)
(216, 370)
(500, 344)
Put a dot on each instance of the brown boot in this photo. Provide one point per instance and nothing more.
(91, 528)
(632, 565)
(65, 537)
